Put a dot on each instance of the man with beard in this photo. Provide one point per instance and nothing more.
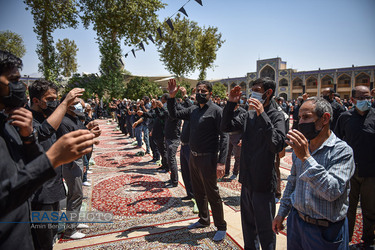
(208, 146)
(24, 166)
(47, 116)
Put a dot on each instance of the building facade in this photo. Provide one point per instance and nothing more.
(292, 83)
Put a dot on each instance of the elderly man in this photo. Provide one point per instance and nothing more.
(357, 128)
(316, 196)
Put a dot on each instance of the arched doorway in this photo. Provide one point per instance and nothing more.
(344, 81)
(311, 82)
(233, 85)
(362, 79)
(327, 82)
(268, 71)
(283, 83)
(284, 95)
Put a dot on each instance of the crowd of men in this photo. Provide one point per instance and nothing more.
(333, 157)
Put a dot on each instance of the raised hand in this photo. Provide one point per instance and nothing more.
(256, 105)
(235, 94)
(172, 88)
(70, 147)
(299, 144)
(72, 95)
(183, 91)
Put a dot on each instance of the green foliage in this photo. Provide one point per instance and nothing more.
(132, 20)
(177, 48)
(67, 56)
(139, 87)
(207, 44)
(219, 89)
(13, 43)
(186, 85)
(92, 84)
(188, 47)
(49, 16)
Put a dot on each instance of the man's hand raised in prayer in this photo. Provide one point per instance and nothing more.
(172, 88)
(235, 94)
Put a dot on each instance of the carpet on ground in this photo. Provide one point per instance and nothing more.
(174, 238)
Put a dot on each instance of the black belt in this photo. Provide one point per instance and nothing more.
(200, 154)
(308, 219)
(235, 132)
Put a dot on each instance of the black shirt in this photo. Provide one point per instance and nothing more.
(52, 190)
(23, 169)
(359, 132)
(185, 133)
(337, 110)
(263, 137)
(159, 115)
(205, 134)
(172, 128)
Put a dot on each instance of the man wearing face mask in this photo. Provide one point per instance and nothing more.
(24, 165)
(73, 171)
(316, 195)
(208, 151)
(357, 128)
(329, 95)
(47, 116)
(263, 128)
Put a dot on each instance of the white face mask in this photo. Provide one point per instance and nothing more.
(257, 96)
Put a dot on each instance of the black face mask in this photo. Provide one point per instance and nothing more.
(201, 98)
(17, 95)
(308, 130)
(51, 107)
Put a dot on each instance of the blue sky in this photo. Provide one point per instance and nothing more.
(307, 34)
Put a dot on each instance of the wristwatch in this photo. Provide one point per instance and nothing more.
(33, 137)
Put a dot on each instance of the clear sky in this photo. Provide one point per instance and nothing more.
(308, 34)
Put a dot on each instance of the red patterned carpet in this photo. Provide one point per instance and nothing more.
(133, 190)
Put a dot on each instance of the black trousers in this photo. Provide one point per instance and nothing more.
(185, 171)
(43, 234)
(257, 213)
(172, 145)
(204, 182)
(162, 150)
(154, 149)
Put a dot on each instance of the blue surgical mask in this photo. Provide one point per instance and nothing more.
(78, 107)
(258, 96)
(241, 101)
(363, 105)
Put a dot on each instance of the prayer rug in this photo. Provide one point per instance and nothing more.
(175, 238)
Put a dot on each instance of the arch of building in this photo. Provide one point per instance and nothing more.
(344, 81)
(268, 71)
(362, 79)
(283, 82)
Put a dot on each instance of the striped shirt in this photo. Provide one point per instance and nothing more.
(319, 187)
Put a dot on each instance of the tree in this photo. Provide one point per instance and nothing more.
(92, 83)
(177, 48)
(13, 43)
(139, 87)
(114, 21)
(49, 16)
(207, 44)
(219, 89)
(67, 56)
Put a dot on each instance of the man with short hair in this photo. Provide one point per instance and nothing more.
(263, 137)
(329, 95)
(24, 165)
(206, 141)
(47, 116)
(357, 128)
(316, 195)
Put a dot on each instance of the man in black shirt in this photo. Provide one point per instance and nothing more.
(263, 137)
(357, 127)
(206, 141)
(24, 166)
(47, 116)
(329, 95)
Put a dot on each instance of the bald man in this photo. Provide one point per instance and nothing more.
(357, 128)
